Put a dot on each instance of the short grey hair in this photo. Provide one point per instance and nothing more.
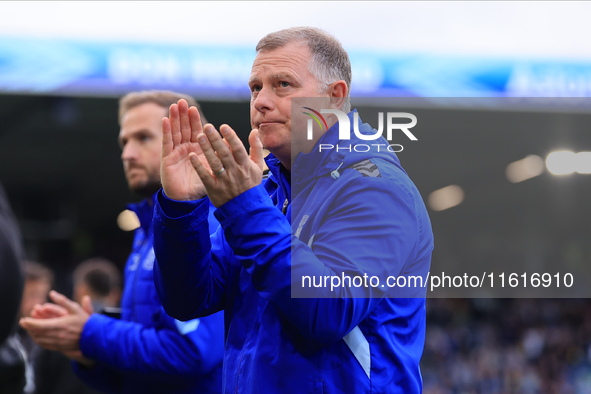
(330, 62)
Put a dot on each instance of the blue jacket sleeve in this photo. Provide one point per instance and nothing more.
(157, 353)
(371, 229)
(181, 241)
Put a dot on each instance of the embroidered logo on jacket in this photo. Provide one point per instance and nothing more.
(367, 168)
(149, 260)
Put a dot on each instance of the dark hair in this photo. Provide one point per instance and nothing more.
(100, 275)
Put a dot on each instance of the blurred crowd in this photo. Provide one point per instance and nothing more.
(506, 346)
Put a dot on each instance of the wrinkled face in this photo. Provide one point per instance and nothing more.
(140, 140)
(276, 77)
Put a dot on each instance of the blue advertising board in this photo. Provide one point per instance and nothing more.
(66, 67)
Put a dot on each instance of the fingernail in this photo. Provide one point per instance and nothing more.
(202, 138)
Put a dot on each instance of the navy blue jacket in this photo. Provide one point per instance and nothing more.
(346, 213)
(148, 351)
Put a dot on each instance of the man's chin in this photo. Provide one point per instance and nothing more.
(271, 142)
(145, 189)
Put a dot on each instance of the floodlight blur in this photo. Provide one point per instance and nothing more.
(526, 168)
(446, 198)
(583, 162)
(561, 162)
(128, 220)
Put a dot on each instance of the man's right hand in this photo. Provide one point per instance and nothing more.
(179, 138)
(52, 311)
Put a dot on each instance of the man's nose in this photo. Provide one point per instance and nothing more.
(129, 152)
(264, 100)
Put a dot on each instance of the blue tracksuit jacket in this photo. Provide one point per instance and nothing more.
(367, 218)
(148, 351)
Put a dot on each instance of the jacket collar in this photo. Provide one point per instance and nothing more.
(144, 211)
(274, 165)
(279, 175)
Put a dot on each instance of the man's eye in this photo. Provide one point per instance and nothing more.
(255, 88)
(284, 84)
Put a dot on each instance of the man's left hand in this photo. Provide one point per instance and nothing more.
(233, 171)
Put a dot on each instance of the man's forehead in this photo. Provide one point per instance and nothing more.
(276, 75)
(145, 109)
(142, 115)
(282, 58)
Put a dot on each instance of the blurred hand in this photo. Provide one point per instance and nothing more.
(179, 139)
(48, 311)
(58, 327)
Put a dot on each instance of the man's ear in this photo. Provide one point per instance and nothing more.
(337, 91)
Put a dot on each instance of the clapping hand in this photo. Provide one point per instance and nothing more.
(59, 326)
(197, 161)
(179, 139)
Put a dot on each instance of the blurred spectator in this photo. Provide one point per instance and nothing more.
(11, 253)
(49, 372)
(99, 279)
(12, 359)
(38, 283)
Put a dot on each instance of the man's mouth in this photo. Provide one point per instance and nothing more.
(268, 123)
(133, 170)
